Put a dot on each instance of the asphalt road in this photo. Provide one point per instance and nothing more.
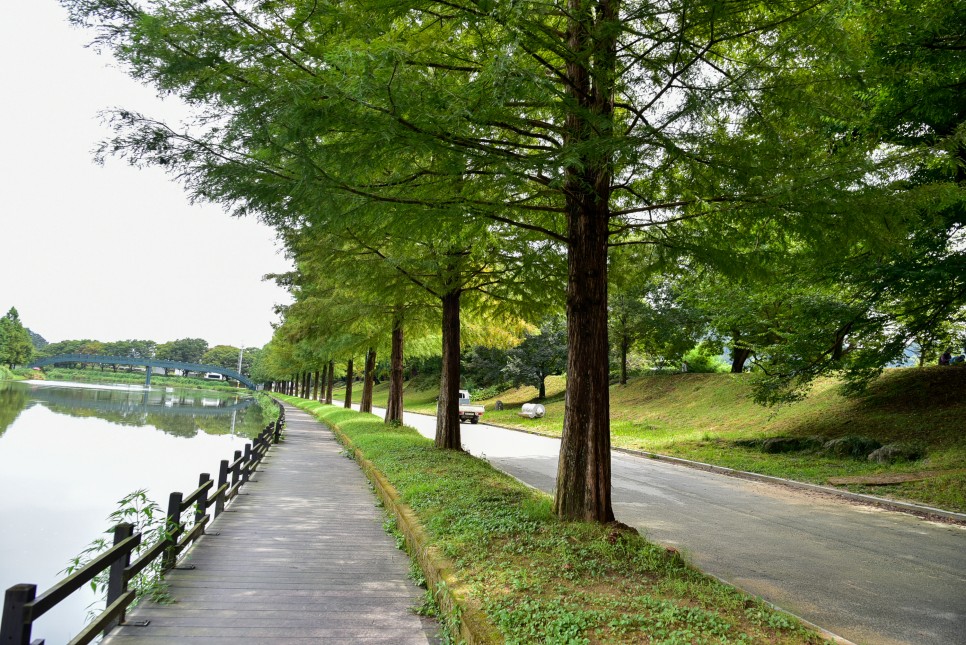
(871, 576)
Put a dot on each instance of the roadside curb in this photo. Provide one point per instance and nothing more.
(450, 593)
(919, 510)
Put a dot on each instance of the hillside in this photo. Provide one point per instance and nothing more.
(710, 418)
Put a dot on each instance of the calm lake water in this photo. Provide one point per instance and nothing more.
(69, 452)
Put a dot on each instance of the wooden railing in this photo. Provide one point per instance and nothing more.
(22, 606)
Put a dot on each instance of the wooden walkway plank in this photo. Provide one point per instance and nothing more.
(299, 557)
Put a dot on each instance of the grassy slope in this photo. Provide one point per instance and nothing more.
(700, 416)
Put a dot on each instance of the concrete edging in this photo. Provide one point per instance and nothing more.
(451, 594)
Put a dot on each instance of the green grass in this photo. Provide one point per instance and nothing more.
(711, 418)
(542, 580)
(18, 374)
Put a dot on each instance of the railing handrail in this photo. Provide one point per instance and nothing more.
(22, 606)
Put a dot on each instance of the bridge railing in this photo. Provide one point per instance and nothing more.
(22, 606)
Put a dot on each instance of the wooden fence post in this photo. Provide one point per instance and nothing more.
(116, 583)
(172, 531)
(236, 468)
(201, 506)
(246, 469)
(222, 480)
(15, 626)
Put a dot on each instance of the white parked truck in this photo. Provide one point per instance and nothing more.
(471, 413)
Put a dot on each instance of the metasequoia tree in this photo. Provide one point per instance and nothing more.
(464, 263)
(589, 122)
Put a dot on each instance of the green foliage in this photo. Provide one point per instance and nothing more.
(482, 367)
(16, 346)
(703, 360)
(185, 350)
(466, 156)
(539, 355)
(268, 406)
(226, 356)
(38, 341)
(148, 519)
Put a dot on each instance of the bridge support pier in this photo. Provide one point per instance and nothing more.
(147, 376)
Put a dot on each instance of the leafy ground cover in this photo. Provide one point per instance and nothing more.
(711, 418)
(542, 580)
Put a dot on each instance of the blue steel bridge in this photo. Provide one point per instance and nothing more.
(147, 363)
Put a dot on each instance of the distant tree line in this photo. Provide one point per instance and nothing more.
(184, 350)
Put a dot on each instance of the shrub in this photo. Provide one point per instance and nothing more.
(851, 446)
(701, 362)
(893, 452)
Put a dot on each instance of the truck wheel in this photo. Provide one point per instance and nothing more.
(475, 420)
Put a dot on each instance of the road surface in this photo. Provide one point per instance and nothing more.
(871, 576)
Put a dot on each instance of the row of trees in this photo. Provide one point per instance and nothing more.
(452, 172)
(184, 350)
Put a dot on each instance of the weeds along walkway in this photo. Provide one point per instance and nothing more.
(300, 556)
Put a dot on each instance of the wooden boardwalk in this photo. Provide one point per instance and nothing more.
(300, 557)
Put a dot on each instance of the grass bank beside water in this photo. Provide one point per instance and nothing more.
(541, 580)
(711, 418)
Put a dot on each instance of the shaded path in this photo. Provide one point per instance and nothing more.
(300, 557)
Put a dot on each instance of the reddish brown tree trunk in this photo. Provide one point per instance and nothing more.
(348, 384)
(583, 471)
(331, 383)
(365, 404)
(447, 412)
(394, 406)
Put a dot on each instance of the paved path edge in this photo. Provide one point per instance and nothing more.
(451, 594)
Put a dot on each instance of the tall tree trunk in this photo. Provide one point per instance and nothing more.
(738, 357)
(625, 346)
(348, 384)
(365, 404)
(331, 383)
(583, 470)
(543, 388)
(324, 380)
(448, 412)
(394, 406)
(315, 388)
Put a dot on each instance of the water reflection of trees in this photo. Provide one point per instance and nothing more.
(13, 401)
(182, 414)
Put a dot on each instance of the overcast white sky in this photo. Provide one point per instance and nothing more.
(109, 252)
